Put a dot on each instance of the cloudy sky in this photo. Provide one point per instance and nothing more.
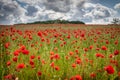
(88, 11)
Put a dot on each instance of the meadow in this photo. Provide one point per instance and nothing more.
(60, 52)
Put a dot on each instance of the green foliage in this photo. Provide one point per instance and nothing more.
(116, 21)
(57, 22)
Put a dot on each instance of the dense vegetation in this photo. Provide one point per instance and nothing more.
(60, 53)
(57, 22)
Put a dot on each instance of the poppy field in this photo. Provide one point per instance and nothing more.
(60, 53)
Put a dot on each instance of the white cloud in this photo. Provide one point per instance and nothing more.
(117, 6)
(13, 12)
(98, 13)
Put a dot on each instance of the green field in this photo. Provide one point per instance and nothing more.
(59, 52)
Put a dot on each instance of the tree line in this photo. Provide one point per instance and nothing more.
(57, 22)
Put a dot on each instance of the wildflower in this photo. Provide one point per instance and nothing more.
(119, 73)
(85, 49)
(56, 49)
(51, 53)
(8, 63)
(76, 51)
(109, 69)
(91, 47)
(31, 62)
(92, 75)
(7, 45)
(57, 68)
(107, 42)
(15, 59)
(39, 73)
(21, 66)
(43, 61)
(72, 78)
(78, 61)
(32, 57)
(76, 77)
(40, 34)
(73, 65)
(116, 42)
(111, 56)
(22, 47)
(8, 77)
(71, 53)
(38, 57)
(16, 53)
(104, 48)
(66, 57)
(99, 55)
(52, 64)
(82, 35)
(56, 56)
(116, 52)
(26, 52)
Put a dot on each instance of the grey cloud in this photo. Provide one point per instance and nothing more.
(31, 10)
(9, 11)
(58, 5)
(81, 4)
(17, 11)
(99, 11)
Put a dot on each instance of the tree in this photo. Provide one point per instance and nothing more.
(116, 21)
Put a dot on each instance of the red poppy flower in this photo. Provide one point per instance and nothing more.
(78, 77)
(85, 49)
(116, 52)
(92, 75)
(57, 56)
(99, 55)
(26, 52)
(7, 45)
(91, 47)
(16, 53)
(40, 34)
(116, 42)
(38, 57)
(51, 53)
(109, 69)
(15, 59)
(52, 64)
(82, 35)
(104, 48)
(107, 42)
(8, 63)
(111, 56)
(32, 57)
(8, 77)
(21, 66)
(78, 61)
(39, 73)
(22, 47)
(57, 68)
(71, 53)
(31, 62)
(73, 65)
